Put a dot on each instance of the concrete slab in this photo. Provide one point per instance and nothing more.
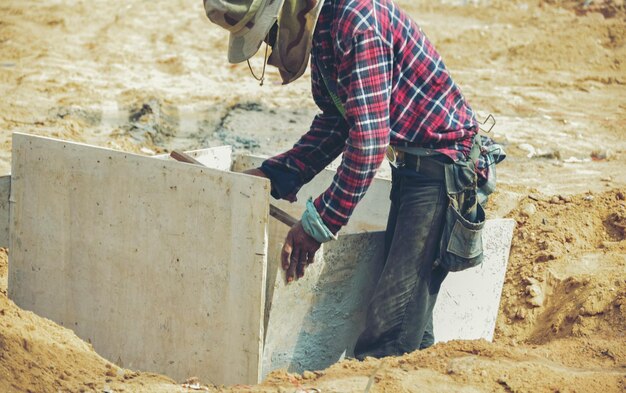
(468, 301)
(125, 250)
(315, 321)
(219, 157)
(160, 264)
(369, 216)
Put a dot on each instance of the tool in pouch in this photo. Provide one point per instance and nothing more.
(461, 245)
(275, 212)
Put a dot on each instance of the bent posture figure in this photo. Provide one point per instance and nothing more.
(381, 88)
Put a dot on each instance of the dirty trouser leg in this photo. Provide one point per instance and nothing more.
(400, 310)
(429, 336)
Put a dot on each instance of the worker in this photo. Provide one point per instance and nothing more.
(382, 89)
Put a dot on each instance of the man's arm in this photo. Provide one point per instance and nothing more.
(364, 79)
(313, 152)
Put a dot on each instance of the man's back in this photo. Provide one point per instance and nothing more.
(426, 108)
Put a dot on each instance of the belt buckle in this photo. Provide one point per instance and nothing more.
(395, 157)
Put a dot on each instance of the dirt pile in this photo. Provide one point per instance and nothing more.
(461, 367)
(567, 272)
(37, 355)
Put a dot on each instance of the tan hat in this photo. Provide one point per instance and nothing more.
(296, 25)
(248, 21)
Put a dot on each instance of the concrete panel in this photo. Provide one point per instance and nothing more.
(468, 302)
(315, 321)
(5, 193)
(213, 157)
(160, 264)
(369, 215)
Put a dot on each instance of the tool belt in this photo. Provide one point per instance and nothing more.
(426, 165)
(461, 244)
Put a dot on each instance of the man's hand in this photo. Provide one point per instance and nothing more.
(298, 251)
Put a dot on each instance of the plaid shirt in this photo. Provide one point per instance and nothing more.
(395, 90)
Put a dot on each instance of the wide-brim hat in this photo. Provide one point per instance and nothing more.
(248, 21)
(296, 26)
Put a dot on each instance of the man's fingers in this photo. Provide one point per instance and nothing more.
(311, 258)
(302, 262)
(293, 264)
(298, 251)
(285, 254)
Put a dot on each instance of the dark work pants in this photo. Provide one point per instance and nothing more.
(399, 315)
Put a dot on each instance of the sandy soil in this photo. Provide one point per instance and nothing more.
(152, 76)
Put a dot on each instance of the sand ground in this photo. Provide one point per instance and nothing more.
(149, 77)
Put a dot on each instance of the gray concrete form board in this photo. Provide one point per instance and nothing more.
(310, 333)
(315, 322)
(159, 264)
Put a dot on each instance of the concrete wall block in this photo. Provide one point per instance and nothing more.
(160, 264)
(174, 268)
(219, 157)
(468, 301)
(370, 215)
(315, 321)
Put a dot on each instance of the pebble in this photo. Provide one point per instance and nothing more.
(620, 195)
(528, 148)
(588, 198)
(536, 293)
(549, 154)
(529, 209)
(546, 256)
(308, 375)
(598, 155)
(566, 198)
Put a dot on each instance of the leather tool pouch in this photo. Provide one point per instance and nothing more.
(461, 245)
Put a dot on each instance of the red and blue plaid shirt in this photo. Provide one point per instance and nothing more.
(395, 90)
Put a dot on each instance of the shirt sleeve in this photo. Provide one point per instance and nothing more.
(364, 86)
(324, 141)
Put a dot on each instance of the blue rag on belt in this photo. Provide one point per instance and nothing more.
(313, 224)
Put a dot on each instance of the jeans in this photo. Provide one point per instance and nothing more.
(400, 313)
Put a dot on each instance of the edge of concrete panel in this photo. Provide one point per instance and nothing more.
(219, 157)
(5, 197)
